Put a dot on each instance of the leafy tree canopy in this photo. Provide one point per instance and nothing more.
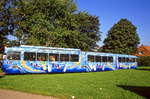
(122, 38)
(54, 23)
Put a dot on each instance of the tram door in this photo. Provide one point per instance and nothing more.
(116, 62)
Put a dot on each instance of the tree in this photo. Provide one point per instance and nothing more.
(5, 23)
(89, 27)
(54, 23)
(7, 20)
(39, 20)
(122, 38)
(2, 24)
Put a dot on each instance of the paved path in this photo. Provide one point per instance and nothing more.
(9, 94)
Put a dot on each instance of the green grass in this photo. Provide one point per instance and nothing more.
(95, 85)
(144, 67)
(1, 70)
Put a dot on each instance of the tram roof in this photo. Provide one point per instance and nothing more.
(42, 48)
(109, 54)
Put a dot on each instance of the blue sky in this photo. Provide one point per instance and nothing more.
(111, 11)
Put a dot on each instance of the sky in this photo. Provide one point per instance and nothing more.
(111, 11)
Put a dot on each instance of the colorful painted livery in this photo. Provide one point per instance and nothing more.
(39, 59)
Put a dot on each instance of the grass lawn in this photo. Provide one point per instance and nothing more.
(119, 84)
(144, 67)
(1, 70)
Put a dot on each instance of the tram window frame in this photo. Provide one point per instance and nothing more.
(91, 58)
(30, 58)
(64, 57)
(54, 57)
(119, 59)
(14, 56)
(42, 56)
(74, 58)
(131, 59)
(110, 59)
(98, 58)
(124, 59)
(135, 59)
(104, 59)
(127, 59)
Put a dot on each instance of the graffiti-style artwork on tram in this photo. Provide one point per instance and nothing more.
(39, 59)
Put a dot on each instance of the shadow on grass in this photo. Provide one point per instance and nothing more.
(2, 76)
(144, 69)
(140, 90)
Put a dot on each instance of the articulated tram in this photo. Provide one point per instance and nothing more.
(39, 59)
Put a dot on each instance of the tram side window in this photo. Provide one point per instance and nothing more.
(53, 57)
(42, 56)
(30, 56)
(104, 58)
(132, 59)
(13, 55)
(90, 58)
(110, 59)
(122, 59)
(128, 60)
(119, 59)
(98, 58)
(74, 58)
(64, 57)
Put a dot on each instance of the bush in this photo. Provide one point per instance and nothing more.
(144, 61)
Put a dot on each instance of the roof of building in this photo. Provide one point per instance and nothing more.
(143, 50)
(147, 48)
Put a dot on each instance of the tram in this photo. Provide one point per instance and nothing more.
(38, 59)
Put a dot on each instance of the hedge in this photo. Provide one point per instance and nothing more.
(144, 61)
